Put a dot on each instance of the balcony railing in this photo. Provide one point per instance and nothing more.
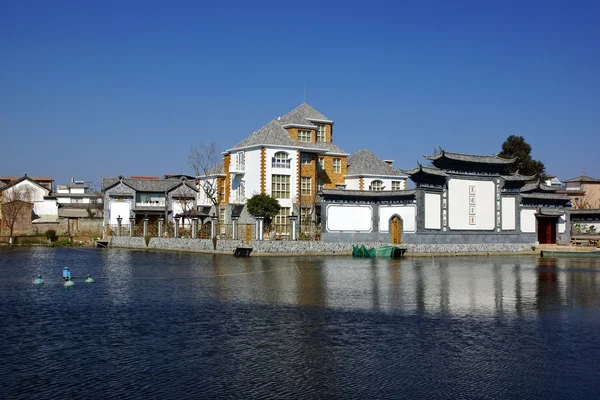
(150, 203)
(239, 200)
(237, 168)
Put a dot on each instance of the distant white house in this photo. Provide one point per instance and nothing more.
(45, 207)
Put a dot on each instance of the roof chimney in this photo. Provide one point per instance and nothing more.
(389, 162)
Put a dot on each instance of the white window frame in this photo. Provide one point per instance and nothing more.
(376, 185)
(321, 133)
(281, 221)
(281, 159)
(396, 185)
(280, 186)
(337, 165)
(321, 163)
(305, 186)
(304, 136)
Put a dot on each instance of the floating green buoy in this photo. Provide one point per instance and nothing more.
(89, 279)
(38, 280)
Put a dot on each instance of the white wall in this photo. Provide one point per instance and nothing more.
(407, 213)
(352, 183)
(471, 204)
(48, 207)
(528, 221)
(349, 218)
(509, 214)
(119, 207)
(252, 175)
(562, 223)
(433, 204)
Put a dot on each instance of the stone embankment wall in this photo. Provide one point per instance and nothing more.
(276, 247)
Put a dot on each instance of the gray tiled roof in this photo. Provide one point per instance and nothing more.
(493, 159)
(518, 177)
(582, 178)
(425, 170)
(147, 185)
(537, 185)
(218, 169)
(363, 162)
(367, 193)
(272, 133)
(302, 115)
(552, 212)
(328, 146)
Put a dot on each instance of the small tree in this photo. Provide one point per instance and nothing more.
(205, 159)
(15, 200)
(263, 205)
(517, 147)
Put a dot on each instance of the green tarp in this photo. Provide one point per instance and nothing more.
(383, 251)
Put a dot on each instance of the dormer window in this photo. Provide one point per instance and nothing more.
(281, 160)
(321, 133)
(304, 136)
(376, 186)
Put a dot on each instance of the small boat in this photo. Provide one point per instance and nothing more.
(567, 253)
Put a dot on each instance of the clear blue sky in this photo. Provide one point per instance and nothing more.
(92, 89)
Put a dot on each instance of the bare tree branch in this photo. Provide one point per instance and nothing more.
(14, 201)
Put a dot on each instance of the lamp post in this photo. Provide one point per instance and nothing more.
(293, 219)
(234, 220)
(145, 225)
(259, 227)
(160, 226)
(119, 220)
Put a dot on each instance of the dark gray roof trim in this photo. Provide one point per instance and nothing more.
(518, 178)
(493, 159)
(366, 193)
(548, 196)
(425, 170)
(552, 212)
(363, 162)
(537, 185)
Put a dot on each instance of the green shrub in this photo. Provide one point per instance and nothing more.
(51, 235)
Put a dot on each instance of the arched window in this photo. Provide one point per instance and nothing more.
(281, 160)
(376, 186)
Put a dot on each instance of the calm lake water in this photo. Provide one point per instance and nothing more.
(179, 325)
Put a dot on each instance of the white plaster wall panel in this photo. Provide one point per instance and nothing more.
(562, 223)
(78, 190)
(528, 221)
(433, 205)
(122, 208)
(471, 205)
(352, 183)
(49, 207)
(252, 175)
(509, 214)
(349, 218)
(407, 213)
